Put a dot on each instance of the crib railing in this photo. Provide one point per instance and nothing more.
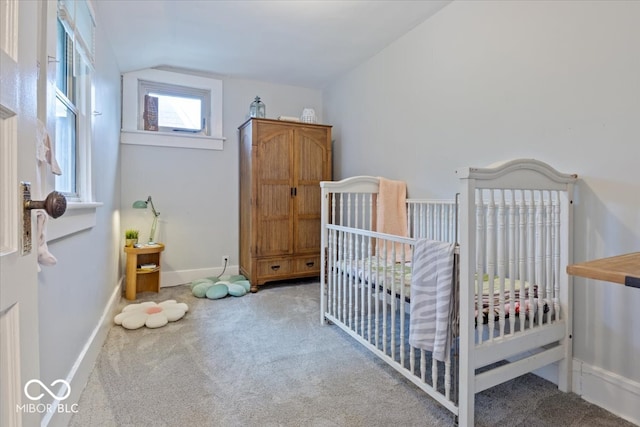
(515, 288)
(367, 296)
(518, 255)
(515, 229)
(431, 219)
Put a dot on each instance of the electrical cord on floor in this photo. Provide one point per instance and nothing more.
(224, 268)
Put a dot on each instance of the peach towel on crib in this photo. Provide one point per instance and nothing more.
(391, 214)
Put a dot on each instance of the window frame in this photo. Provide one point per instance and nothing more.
(81, 100)
(133, 109)
(81, 208)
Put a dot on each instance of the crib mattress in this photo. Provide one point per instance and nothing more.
(375, 271)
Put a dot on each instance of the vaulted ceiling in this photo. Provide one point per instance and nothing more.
(297, 42)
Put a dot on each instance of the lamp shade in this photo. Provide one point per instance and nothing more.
(140, 204)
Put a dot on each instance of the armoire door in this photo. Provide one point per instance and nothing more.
(274, 169)
(311, 167)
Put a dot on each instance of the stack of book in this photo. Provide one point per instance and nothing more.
(149, 266)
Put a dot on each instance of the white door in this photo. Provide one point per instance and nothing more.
(19, 349)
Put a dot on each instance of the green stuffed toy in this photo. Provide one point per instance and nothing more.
(220, 287)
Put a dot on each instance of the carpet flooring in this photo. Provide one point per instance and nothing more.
(264, 360)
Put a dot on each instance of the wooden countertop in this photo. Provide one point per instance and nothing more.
(623, 269)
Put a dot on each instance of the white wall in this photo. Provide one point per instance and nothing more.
(77, 295)
(74, 294)
(486, 81)
(196, 191)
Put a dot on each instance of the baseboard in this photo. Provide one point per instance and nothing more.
(608, 390)
(613, 392)
(79, 373)
(180, 277)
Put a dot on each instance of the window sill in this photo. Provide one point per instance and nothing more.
(79, 216)
(176, 140)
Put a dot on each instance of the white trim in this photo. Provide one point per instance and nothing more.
(79, 374)
(176, 140)
(608, 390)
(11, 387)
(78, 217)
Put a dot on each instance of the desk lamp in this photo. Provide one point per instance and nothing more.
(143, 204)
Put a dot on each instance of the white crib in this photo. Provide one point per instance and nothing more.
(511, 307)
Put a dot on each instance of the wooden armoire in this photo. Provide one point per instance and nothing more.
(281, 166)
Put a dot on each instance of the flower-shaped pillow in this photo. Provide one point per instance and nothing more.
(151, 314)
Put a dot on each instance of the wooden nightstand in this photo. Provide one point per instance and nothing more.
(143, 279)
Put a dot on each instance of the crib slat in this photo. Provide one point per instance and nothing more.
(480, 256)
(391, 286)
(434, 373)
(447, 378)
(384, 295)
(539, 275)
(522, 260)
(548, 265)
(401, 304)
(375, 280)
(556, 256)
(501, 259)
(512, 261)
(531, 253)
(369, 285)
(352, 305)
(332, 272)
(363, 287)
(491, 261)
(342, 285)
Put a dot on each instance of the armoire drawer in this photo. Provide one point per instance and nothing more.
(307, 264)
(274, 267)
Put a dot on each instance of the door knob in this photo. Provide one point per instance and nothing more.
(55, 204)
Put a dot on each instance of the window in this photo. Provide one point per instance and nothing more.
(66, 145)
(74, 53)
(171, 108)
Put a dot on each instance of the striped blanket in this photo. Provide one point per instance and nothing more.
(431, 300)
